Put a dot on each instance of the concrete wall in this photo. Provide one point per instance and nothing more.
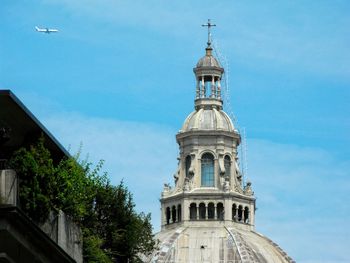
(59, 227)
(8, 187)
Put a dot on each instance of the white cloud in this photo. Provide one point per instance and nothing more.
(302, 192)
(302, 199)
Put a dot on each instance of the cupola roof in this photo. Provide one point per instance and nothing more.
(208, 60)
(208, 120)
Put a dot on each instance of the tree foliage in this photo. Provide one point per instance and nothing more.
(112, 230)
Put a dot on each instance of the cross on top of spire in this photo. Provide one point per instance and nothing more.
(209, 25)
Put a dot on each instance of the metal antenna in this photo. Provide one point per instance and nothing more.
(244, 157)
(228, 108)
(225, 82)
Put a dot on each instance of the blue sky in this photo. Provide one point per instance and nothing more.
(118, 78)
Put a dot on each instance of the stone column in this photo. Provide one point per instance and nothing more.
(213, 95)
(203, 87)
(215, 213)
(197, 90)
(227, 210)
(197, 211)
(252, 214)
(185, 212)
(163, 216)
(219, 89)
(206, 211)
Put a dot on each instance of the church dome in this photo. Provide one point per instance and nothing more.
(217, 244)
(208, 120)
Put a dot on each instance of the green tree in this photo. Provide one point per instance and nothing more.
(112, 230)
(37, 180)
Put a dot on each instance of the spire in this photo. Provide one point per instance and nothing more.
(208, 76)
(209, 25)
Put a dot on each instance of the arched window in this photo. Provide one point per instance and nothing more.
(173, 214)
(240, 213)
(179, 213)
(207, 167)
(202, 211)
(227, 164)
(167, 215)
(193, 211)
(246, 215)
(187, 165)
(234, 212)
(220, 211)
(211, 211)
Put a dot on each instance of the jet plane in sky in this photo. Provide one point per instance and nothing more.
(46, 30)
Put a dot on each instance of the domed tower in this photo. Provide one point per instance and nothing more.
(209, 215)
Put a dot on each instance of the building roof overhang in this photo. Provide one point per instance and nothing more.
(19, 127)
(199, 193)
(235, 135)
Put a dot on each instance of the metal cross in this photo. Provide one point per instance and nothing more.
(209, 25)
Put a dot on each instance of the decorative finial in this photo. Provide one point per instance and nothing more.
(209, 25)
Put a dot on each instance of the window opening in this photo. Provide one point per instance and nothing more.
(211, 211)
(173, 214)
(179, 213)
(193, 211)
(246, 215)
(167, 215)
(207, 170)
(240, 213)
(220, 211)
(234, 212)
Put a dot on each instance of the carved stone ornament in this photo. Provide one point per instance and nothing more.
(248, 189)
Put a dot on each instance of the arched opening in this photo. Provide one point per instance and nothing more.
(173, 214)
(220, 211)
(167, 215)
(227, 165)
(211, 211)
(234, 212)
(240, 213)
(187, 165)
(201, 211)
(207, 170)
(208, 86)
(193, 211)
(246, 215)
(179, 216)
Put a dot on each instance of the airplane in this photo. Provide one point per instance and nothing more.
(46, 30)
